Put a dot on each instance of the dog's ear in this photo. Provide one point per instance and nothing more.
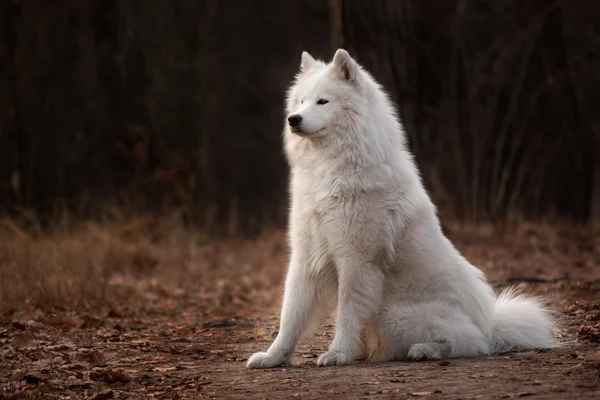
(307, 62)
(346, 66)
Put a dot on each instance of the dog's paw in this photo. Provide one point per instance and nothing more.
(423, 351)
(266, 360)
(334, 358)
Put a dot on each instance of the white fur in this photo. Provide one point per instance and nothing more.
(363, 231)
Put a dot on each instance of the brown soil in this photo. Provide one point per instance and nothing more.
(193, 341)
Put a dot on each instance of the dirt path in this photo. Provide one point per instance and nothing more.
(183, 350)
(185, 356)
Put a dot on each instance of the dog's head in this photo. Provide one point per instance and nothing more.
(324, 94)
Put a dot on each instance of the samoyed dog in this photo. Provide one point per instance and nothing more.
(365, 238)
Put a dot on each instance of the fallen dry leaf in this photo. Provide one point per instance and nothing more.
(32, 377)
(23, 340)
(91, 357)
(109, 376)
(525, 394)
(165, 369)
(589, 333)
(104, 395)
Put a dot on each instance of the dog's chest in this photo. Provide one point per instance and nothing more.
(319, 238)
(322, 219)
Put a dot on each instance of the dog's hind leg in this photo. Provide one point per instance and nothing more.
(431, 331)
(429, 351)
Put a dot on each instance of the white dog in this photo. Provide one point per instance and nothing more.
(363, 231)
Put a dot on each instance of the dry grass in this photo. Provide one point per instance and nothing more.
(90, 265)
(149, 262)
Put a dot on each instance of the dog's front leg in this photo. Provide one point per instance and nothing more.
(359, 297)
(299, 300)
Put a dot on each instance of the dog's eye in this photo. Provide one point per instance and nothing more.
(322, 101)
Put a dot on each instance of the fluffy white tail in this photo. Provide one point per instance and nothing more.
(521, 323)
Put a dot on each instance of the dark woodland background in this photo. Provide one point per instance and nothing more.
(159, 105)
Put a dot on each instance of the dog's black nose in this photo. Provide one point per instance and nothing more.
(294, 120)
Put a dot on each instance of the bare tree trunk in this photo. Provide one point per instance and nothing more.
(11, 133)
(595, 195)
(337, 28)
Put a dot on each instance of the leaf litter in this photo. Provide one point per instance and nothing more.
(186, 333)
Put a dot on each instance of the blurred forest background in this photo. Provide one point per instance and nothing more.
(157, 105)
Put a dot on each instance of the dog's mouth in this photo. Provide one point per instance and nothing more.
(303, 133)
(299, 131)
